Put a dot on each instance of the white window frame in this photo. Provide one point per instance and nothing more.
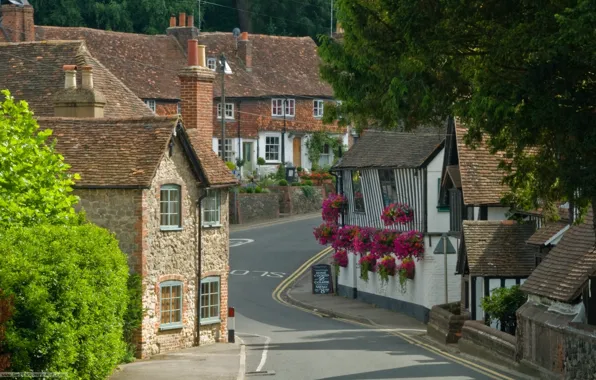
(229, 111)
(212, 63)
(210, 319)
(318, 107)
(278, 109)
(325, 158)
(229, 152)
(176, 324)
(172, 207)
(211, 206)
(150, 103)
(278, 144)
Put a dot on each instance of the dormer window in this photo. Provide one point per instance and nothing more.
(211, 63)
(150, 103)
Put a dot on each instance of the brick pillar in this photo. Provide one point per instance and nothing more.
(196, 97)
(18, 23)
(245, 51)
(223, 313)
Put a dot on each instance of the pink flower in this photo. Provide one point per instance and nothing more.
(386, 266)
(340, 258)
(368, 262)
(363, 240)
(345, 237)
(409, 244)
(397, 213)
(325, 233)
(332, 206)
(383, 242)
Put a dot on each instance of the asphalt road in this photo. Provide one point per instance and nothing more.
(296, 345)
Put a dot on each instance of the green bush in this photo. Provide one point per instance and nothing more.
(501, 306)
(308, 191)
(260, 161)
(296, 184)
(282, 182)
(68, 289)
(258, 190)
(308, 182)
(231, 165)
(281, 172)
(133, 315)
(250, 190)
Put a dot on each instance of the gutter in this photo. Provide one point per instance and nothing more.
(199, 263)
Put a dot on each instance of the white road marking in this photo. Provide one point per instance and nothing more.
(239, 242)
(242, 368)
(243, 272)
(264, 354)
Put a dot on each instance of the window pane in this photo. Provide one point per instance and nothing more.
(204, 287)
(204, 312)
(214, 299)
(177, 316)
(214, 311)
(214, 287)
(357, 192)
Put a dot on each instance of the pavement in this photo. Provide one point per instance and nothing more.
(218, 361)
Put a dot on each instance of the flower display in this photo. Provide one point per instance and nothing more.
(383, 242)
(397, 213)
(345, 237)
(332, 206)
(386, 267)
(340, 258)
(325, 233)
(363, 240)
(406, 271)
(409, 244)
(367, 264)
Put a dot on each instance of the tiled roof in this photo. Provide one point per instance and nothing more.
(112, 152)
(563, 273)
(546, 232)
(32, 71)
(385, 149)
(453, 173)
(147, 64)
(497, 248)
(481, 179)
(213, 167)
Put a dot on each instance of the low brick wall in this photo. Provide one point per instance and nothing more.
(251, 208)
(446, 321)
(484, 341)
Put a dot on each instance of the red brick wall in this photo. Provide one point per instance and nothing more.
(166, 108)
(196, 93)
(18, 23)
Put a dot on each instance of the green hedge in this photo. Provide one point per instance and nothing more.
(68, 289)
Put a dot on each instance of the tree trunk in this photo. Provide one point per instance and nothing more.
(244, 15)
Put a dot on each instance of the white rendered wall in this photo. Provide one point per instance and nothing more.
(437, 221)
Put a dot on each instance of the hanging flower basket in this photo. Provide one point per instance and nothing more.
(406, 271)
(345, 237)
(383, 242)
(409, 244)
(340, 259)
(325, 233)
(363, 240)
(332, 207)
(367, 264)
(397, 213)
(386, 267)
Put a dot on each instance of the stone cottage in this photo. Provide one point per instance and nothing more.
(151, 180)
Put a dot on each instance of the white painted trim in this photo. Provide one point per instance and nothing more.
(557, 237)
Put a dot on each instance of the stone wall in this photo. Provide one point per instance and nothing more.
(250, 208)
(484, 341)
(446, 322)
(303, 204)
(580, 346)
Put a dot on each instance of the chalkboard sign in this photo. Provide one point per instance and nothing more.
(322, 282)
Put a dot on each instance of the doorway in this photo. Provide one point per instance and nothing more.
(247, 157)
(297, 149)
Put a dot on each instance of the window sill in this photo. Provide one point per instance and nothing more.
(218, 225)
(177, 326)
(170, 229)
(442, 209)
(210, 322)
(281, 117)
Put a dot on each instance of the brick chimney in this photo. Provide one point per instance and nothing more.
(245, 50)
(73, 101)
(183, 29)
(196, 92)
(17, 23)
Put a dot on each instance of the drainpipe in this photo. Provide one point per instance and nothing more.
(199, 263)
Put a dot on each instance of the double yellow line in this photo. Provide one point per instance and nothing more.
(412, 340)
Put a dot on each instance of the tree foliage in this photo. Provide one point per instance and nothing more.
(520, 72)
(34, 184)
(502, 305)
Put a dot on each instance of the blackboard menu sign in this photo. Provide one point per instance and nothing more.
(322, 282)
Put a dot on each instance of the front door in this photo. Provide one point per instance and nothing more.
(297, 151)
(247, 157)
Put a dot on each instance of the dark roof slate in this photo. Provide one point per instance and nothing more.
(550, 229)
(497, 248)
(32, 71)
(453, 173)
(213, 167)
(386, 149)
(563, 273)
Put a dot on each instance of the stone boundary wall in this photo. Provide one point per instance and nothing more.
(446, 322)
(251, 208)
(484, 341)
(580, 346)
(292, 200)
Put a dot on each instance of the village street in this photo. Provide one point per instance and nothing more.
(294, 344)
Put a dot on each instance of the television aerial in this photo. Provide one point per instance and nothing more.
(236, 34)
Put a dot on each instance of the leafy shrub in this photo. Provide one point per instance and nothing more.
(299, 168)
(250, 190)
(282, 182)
(231, 165)
(133, 315)
(501, 306)
(242, 190)
(308, 191)
(68, 289)
(260, 161)
(266, 182)
(296, 184)
(308, 182)
(258, 190)
(281, 172)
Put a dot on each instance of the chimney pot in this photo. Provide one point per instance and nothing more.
(190, 21)
(172, 21)
(182, 19)
(87, 77)
(244, 36)
(70, 76)
(202, 61)
(193, 53)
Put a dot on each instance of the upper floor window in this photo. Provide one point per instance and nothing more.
(211, 63)
(388, 186)
(317, 108)
(272, 148)
(150, 103)
(212, 209)
(170, 305)
(281, 107)
(228, 154)
(169, 207)
(229, 110)
(357, 191)
(210, 300)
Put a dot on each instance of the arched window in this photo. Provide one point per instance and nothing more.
(169, 207)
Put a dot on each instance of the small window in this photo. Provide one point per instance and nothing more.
(229, 110)
(325, 156)
(229, 154)
(277, 107)
(272, 148)
(211, 63)
(317, 108)
(169, 206)
(151, 104)
(170, 305)
(212, 209)
(290, 107)
(388, 186)
(210, 300)
(357, 191)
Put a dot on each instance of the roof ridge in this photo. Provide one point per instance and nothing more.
(43, 42)
(132, 119)
(101, 30)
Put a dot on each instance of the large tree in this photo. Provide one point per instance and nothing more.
(522, 73)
